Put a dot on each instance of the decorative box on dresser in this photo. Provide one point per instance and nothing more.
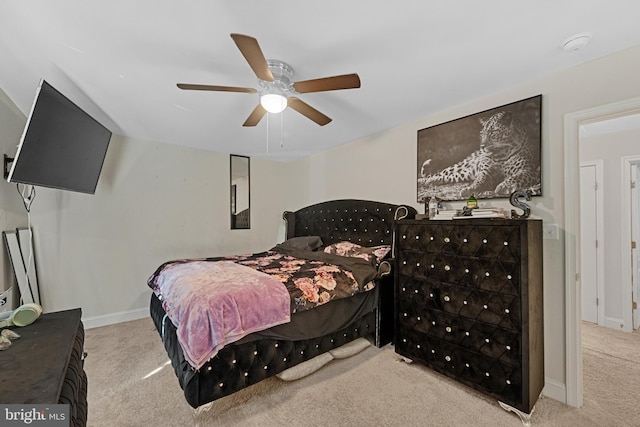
(469, 304)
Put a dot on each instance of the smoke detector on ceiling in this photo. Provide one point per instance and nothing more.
(576, 42)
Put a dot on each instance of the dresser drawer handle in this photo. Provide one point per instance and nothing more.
(447, 268)
(446, 298)
(448, 329)
(447, 358)
(446, 240)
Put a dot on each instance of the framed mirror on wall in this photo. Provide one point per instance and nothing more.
(239, 192)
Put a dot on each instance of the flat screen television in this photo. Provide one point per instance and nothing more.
(61, 147)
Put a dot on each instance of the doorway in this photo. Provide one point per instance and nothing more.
(573, 303)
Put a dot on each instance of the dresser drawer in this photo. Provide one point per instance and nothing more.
(493, 275)
(482, 241)
(490, 374)
(499, 309)
(488, 340)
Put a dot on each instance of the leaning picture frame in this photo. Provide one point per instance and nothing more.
(489, 154)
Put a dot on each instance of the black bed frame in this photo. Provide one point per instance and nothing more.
(237, 366)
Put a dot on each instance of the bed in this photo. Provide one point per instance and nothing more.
(309, 332)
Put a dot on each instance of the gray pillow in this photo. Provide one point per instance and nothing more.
(305, 243)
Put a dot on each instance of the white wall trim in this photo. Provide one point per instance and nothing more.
(554, 389)
(614, 322)
(112, 318)
(573, 343)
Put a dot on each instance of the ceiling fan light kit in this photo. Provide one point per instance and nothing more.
(277, 91)
(273, 102)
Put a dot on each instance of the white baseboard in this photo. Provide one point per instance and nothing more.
(613, 323)
(555, 390)
(110, 319)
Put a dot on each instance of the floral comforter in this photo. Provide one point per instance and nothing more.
(312, 278)
(216, 301)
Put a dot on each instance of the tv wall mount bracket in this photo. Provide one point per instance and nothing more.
(7, 165)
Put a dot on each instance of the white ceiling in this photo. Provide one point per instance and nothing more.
(121, 60)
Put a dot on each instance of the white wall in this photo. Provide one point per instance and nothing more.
(382, 167)
(11, 209)
(610, 148)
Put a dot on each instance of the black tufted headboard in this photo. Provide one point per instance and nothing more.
(364, 222)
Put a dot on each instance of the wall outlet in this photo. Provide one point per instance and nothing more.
(550, 231)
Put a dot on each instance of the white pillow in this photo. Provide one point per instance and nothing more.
(351, 348)
(305, 368)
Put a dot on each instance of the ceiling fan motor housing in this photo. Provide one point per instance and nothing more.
(282, 75)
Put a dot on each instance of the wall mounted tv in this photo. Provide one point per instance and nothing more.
(61, 147)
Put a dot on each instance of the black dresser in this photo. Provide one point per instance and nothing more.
(46, 365)
(469, 303)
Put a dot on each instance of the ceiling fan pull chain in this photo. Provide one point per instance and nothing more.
(268, 120)
(281, 129)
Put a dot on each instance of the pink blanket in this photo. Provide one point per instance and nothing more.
(216, 303)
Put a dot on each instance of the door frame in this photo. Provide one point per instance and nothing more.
(573, 309)
(626, 230)
(599, 167)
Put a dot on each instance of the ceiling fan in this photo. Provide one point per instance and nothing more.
(277, 92)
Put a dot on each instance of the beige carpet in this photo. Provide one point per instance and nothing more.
(132, 384)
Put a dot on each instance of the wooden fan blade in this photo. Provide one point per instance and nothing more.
(345, 81)
(187, 86)
(255, 116)
(251, 51)
(308, 111)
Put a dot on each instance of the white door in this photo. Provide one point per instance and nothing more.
(635, 237)
(589, 244)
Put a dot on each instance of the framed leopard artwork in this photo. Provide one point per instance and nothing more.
(489, 154)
